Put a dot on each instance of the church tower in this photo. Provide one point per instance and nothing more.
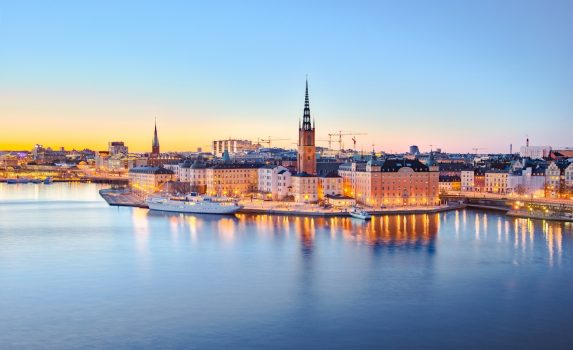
(155, 144)
(306, 159)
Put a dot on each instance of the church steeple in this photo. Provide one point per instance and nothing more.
(306, 125)
(306, 159)
(155, 143)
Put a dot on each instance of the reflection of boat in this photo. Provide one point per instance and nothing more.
(48, 180)
(195, 204)
(359, 213)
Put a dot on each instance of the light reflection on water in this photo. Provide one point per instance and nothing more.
(75, 273)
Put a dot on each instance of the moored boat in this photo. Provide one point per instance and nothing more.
(18, 180)
(37, 181)
(195, 204)
(48, 180)
(359, 213)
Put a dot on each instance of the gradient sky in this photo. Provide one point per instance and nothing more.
(454, 74)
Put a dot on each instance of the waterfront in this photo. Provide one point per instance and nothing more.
(76, 273)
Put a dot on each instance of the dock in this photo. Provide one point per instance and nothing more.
(122, 198)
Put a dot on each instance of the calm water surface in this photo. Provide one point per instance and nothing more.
(78, 274)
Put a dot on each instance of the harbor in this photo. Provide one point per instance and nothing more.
(126, 198)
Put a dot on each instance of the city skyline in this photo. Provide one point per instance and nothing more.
(455, 76)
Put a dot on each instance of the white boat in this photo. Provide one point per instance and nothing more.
(359, 213)
(195, 204)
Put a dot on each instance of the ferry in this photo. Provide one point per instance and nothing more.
(196, 204)
(359, 213)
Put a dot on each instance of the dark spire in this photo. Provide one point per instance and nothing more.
(306, 115)
(155, 138)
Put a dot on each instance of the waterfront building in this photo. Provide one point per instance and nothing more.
(467, 180)
(9, 160)
(192, 172)
(556, 178)
(479, 180)
(449, 183)
(233, 146)
(305, 188)
(527, 181)
(148, 179)
(569, 176)
(339, 201)
(391, 182)
(232, 179)
(274, 182)
(496, 181)
(329, 185)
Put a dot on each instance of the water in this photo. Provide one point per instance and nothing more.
(76, 273)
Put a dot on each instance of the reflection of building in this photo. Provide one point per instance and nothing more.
(233, 146)
(148, 179)
(395, 230)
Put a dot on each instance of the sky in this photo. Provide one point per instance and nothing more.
(452, 74)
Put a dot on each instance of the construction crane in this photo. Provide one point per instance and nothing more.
(269, 140)
(341, 133)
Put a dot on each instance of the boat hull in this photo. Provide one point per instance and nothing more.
(197, 208)
(361, 216)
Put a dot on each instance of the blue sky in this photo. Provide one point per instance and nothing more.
(454, 74)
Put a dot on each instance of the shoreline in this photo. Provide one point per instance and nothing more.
(124, 198)
(127, 199)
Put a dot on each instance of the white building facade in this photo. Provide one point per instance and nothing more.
(274, 182)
